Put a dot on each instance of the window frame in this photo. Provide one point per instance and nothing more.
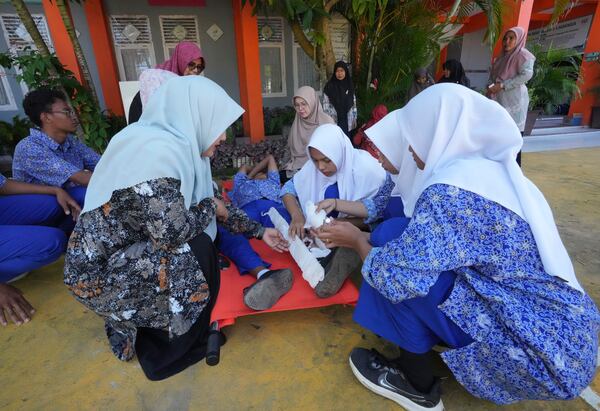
(132, 46)
(166, 45)
(12, 104)
(281, 47)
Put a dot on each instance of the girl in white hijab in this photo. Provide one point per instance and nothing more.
(338, 171)
(142, 254)
(479, 267)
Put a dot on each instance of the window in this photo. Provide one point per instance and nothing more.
(7, 100)
(16, 34)
(305, 70)
(19, 40)
(133, 45)
(175, 29)
(272, 63)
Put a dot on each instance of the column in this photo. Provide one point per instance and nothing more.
(590, 72)
(103, 50)
(518, 13)
(246, 39)
(62, 43)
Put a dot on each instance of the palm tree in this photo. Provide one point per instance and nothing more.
(63, 9)
(29, 24)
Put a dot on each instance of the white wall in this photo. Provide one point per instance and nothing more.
(476, 59)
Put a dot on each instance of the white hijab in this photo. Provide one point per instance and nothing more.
(387, 138)
(181, 120)
(471, 142)
(358, 175)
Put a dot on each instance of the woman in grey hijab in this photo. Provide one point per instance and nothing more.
(421, 81)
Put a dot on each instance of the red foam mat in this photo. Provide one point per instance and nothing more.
(230, 304)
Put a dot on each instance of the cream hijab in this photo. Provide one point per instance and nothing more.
(471, 142)
(181, 120)
(358, 175)
(302, 129)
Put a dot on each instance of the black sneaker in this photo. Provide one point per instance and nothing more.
(268, 289)
(380, 375)
(341, 264)
(224, 263)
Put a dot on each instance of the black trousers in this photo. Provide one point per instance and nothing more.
(161, 357)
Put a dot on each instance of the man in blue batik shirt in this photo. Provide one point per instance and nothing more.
(51, 154)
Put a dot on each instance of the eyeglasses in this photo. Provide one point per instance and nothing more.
(67, 112)
(193, 66)
(300, 105)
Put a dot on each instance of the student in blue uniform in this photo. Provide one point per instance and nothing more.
(479, 267)
(51, 154)
(339, 172)
(255, 192)
(29, 214)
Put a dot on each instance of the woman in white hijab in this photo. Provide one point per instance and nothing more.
(479, 267)
(338, 171)
(142, 254)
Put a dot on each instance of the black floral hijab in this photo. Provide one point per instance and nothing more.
(341, 95)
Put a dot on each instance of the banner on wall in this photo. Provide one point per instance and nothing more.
(567, 34)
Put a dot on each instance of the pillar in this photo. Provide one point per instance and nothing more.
(103, 50)
(62, 43)
(589, 72)
(248, 60)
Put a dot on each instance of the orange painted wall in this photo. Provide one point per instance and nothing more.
(590, 73)
(246, 39)
(60, 38)
(104, 52)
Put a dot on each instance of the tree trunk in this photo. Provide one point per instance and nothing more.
(41, 46)
(27, 20)
(68, 22)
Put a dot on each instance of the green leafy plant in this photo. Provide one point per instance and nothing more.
(410, 43)
(38, 71)
(276, 118)
(12, 133)
(555, 77)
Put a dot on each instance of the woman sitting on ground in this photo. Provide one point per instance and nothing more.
(339, 172)
(309, 116)
(142, 255)
(479, 268)
(421, 81)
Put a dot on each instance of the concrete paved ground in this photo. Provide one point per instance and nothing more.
(292, 361)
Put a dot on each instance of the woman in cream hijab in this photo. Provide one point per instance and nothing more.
(479, 267)
(142, 254)
(309, 116)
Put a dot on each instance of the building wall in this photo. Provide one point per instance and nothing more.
(15, 88)
(220, 55)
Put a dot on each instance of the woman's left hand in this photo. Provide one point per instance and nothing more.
(339, 234)
(275, 240)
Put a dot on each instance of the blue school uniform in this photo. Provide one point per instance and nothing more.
(472, 269)
(38, 159)
(255, 197)
(382, 205)
(27, 238)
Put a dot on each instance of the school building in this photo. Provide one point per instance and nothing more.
(255, 58)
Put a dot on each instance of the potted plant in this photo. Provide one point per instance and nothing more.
(554, 81)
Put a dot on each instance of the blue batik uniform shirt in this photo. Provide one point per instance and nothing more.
(38, 159)
(2, 180)
(246, 190)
